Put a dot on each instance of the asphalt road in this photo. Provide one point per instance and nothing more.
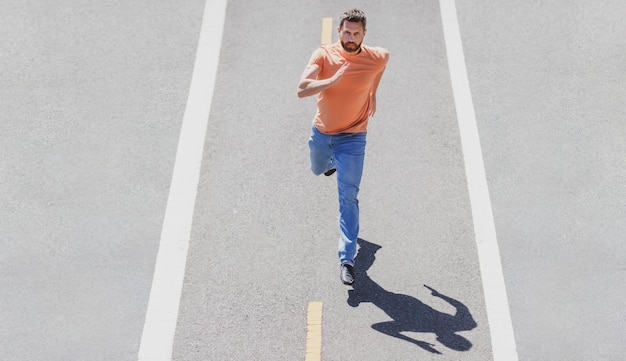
(91, 104)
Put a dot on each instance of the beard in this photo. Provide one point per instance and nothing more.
(351, 47)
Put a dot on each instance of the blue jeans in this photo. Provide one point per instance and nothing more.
(346, 153)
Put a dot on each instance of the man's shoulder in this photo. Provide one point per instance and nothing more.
(325, 51)
(377, 52)
(328, 48)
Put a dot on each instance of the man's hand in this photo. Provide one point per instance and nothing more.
(339, 74)
(372, 106)
(310, 85)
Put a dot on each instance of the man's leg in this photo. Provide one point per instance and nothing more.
(349, 158)
(321, 152)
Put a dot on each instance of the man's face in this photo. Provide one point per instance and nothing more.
(351, 35)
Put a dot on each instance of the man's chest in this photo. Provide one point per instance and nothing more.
(359, 70)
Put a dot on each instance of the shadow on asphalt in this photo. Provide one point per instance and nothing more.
(408, 313)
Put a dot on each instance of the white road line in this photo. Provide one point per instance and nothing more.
(498, 314)
(162, 314)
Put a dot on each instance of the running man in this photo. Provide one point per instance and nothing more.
(345, 76)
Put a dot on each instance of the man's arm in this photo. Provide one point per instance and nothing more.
(372, 107)
(310, 85)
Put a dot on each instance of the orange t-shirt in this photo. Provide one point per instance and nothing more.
(342, 108)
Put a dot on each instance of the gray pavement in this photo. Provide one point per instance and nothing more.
(91, 103)
(548, 93)
(92, 100)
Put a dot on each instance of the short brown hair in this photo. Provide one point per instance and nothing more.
(352, 15)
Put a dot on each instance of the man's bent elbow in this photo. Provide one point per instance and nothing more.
(303, 93)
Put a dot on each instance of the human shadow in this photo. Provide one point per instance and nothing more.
(408, 313)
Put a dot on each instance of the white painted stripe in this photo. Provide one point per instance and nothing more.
(501, 328)
(162, 314)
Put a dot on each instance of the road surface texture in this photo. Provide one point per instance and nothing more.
(92, 102)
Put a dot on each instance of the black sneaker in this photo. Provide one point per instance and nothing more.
(346, 274)
(330, 172)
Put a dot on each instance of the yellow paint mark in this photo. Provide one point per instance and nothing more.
(314, 332)
(327, 31)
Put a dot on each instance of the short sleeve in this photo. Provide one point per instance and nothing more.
(317, 59)
(382, 55)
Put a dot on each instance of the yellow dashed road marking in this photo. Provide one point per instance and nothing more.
(314, 332)
(327, 31)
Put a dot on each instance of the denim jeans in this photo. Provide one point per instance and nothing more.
(346, 153)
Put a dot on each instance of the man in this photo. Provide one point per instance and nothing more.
(345, 75)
